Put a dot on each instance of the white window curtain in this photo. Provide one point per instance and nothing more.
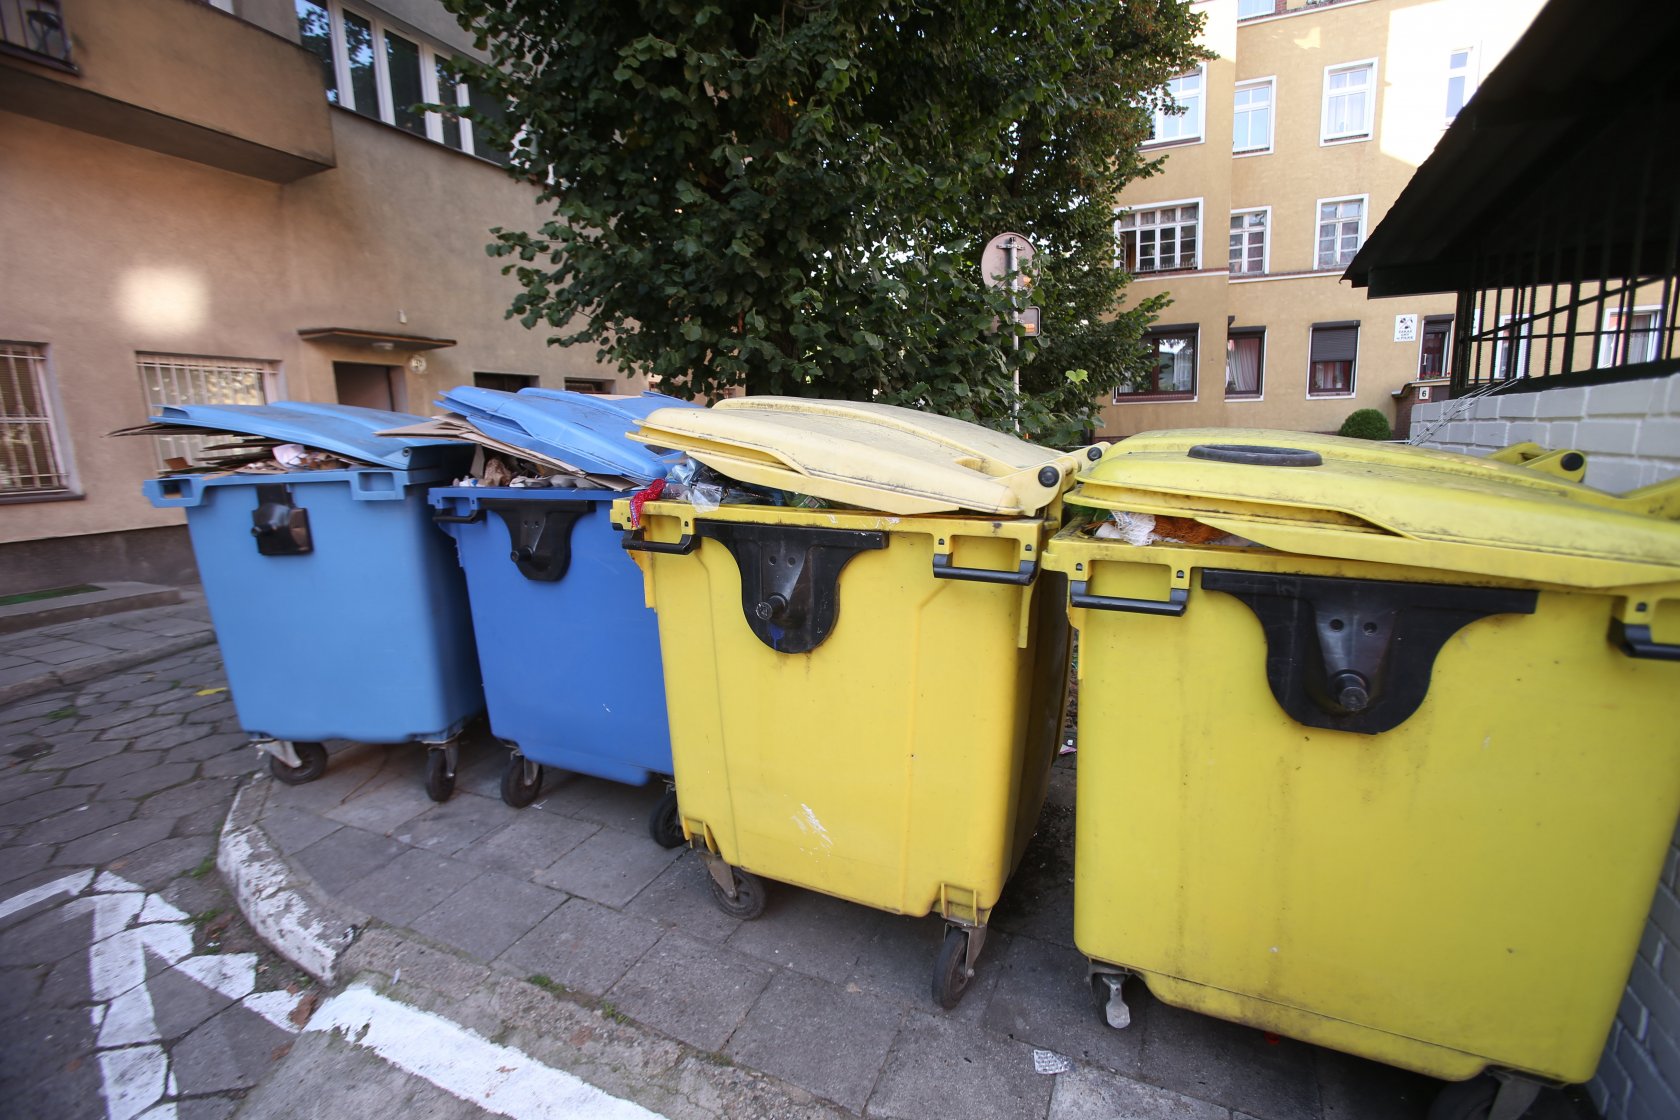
(1242, 366)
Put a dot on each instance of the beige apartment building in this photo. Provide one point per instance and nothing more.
(1295, 139)
(230, 202)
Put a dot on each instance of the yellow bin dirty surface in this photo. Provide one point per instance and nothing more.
(1399, 776)
(902, 760)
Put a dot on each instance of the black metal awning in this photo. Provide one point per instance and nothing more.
(1565, 161)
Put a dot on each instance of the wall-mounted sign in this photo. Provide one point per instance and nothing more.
(1405, 328)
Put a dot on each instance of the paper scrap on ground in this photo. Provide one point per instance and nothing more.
(1048, 1061)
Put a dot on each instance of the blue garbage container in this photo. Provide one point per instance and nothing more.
(572, 671)
(340, 610)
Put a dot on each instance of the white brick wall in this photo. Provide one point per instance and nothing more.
(1630, 432)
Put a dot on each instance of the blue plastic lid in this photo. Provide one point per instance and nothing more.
(581, 429)
(343, 429)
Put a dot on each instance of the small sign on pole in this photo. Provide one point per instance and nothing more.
(1028, 318)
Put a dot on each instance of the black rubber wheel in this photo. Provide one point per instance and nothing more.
(664, 825)
(313, 757)
(440, 783)
(1465, 1100)
(950, 970)
(749, 899)
(516, 791)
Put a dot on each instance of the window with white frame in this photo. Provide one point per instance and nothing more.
(383, 73)
(1461, 80)
(1331, 358)
(1180, 118)
(31, 462)
(1250, 9)
(1350, 101)
(181, 379)
(1248, 241)
(1172, 372)
(1341, 230)
(1245, 360)
(1160, 238)
(1251, 126)
(1630, 338)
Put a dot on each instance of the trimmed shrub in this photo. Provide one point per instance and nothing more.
(1366, 423)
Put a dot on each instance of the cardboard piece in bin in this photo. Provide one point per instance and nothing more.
(871, 456)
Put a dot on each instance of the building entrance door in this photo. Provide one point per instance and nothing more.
(369, 386)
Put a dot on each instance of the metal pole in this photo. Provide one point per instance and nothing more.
(1009, 249)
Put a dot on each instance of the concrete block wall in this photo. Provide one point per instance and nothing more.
(1630, 432)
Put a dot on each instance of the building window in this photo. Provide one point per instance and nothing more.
(1461, 80)
(1341, 230)
(1248, 241)
(1245, 360)
(1631, 338)
(505, 382)
(384, 74)
(1331, 358)
(594, 385)
(1161, 238)
(30, 460)
(1252, 9)
(1173, 372)
(1180, 118)
(181, 379)
(1251, 127)
(1350, 100)
(1436, 345)
(36, 27)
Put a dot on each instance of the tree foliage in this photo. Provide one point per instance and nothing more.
(792, 197)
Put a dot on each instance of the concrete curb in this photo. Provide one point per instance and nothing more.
(84, 671)
(285, 911)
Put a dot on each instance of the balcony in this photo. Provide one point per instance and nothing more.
(172, 76)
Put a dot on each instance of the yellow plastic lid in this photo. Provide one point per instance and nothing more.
(873, 456)
(1391, 504)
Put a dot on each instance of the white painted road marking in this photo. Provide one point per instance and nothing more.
(463, 1064)
(129, 924)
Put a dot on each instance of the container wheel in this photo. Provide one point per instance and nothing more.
(950, 969)
(749, 899)
(440, 781)
(521, 781)
(664, 825)
(313, 757)
(1465, 1100)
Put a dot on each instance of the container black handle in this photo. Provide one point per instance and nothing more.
(1635, 641)
(635, 541)
(944, 569)
(1172, 608)
(472, 518)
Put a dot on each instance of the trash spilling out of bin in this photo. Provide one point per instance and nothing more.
(570, 653)
(866, 666)
(339, 609)
(1409, 770)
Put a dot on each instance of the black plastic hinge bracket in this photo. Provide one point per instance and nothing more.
(280, 528)
(790, 577)
(1354, 654)
(540, 535)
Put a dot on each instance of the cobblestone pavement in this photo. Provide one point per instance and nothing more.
(127, 975)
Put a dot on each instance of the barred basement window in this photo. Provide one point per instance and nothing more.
(30, 461)
(179, 379)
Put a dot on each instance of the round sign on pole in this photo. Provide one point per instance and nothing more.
(1000, 252)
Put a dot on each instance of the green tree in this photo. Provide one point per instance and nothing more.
(792, 197)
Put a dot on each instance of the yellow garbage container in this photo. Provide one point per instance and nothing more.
(863, 701)
(1376, 751)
